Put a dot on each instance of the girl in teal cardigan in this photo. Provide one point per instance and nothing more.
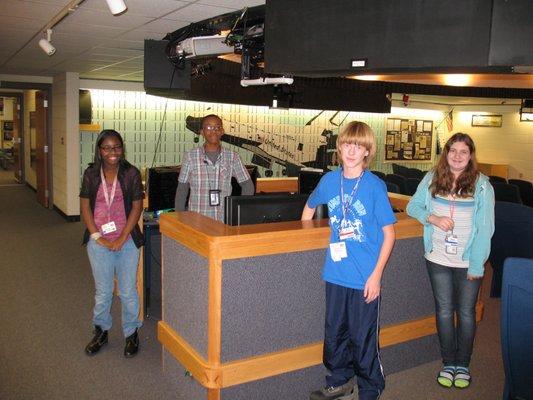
(455, 203)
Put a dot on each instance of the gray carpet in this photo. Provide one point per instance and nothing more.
(46, 298)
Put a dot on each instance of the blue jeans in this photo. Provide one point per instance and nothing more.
(105, 264)
(454, 295)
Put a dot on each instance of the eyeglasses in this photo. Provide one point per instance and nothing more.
(213, 128)
(108, 149)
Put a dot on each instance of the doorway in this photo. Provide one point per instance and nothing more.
(31, 154)
(11, 144)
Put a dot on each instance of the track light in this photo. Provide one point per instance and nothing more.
(116, 6)
(46, 44)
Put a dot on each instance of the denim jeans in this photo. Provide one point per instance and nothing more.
(454, 295)
(105, 265)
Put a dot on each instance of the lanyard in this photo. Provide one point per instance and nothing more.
(346, 204)
(217, 175)
(108, 198)
(452, 208)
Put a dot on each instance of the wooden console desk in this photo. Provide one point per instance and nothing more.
(243, 307)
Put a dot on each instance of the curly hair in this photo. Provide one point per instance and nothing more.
(444, 182)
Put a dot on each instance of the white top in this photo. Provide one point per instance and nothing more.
(461, 211)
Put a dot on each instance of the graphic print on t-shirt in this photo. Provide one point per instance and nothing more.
(352, 220)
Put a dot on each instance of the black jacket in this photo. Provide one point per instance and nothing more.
(130, 182)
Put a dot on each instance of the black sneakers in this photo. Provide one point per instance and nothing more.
(132, 345)
(342, 392)
(99, 339)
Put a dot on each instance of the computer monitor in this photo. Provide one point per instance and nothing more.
(308, 180)
(161, 187)
(246, 210)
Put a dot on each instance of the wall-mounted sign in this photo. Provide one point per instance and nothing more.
(491, 121)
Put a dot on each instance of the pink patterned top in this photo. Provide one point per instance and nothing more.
(117, 211)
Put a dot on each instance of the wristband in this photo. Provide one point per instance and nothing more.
(95, 236)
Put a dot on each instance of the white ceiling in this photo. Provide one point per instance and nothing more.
(90, 40)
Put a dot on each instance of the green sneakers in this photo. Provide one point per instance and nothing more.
(454, 376)
(446, 376)
(462, 378)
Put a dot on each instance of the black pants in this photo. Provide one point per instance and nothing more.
(351, 341)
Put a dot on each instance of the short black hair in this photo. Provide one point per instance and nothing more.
(208, 116)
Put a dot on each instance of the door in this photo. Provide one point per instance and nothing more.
(41, 150)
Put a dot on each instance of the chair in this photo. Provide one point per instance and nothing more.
(398, 180)
(392, 187)
(513, 237)
(379, 174)
(497, 179)
(416, 173)
(507, 192)
(412, 185)
(526, 190)
(400, 170)
(515, 330)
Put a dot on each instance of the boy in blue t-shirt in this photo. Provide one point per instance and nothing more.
(362, 236)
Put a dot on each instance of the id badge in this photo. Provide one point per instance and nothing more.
(346, 233)
(109, 227)
(451, 243)
(214, 197)
(338, 251)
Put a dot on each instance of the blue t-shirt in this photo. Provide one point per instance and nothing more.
(367, 213)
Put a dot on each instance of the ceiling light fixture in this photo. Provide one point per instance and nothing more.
(116, 6)
(46, 44)
(456, 79)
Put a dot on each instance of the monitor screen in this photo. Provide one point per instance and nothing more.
(246, 210)
(161, 187)
(308, 180)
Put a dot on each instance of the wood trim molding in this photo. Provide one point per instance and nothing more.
(207, 237)
(249, 369)
(90, 127)
(272, 185)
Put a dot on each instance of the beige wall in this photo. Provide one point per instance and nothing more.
(511, 144)
(65, 142)
(29, 105)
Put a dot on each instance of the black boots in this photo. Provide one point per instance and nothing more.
(99, 339)
(132, 345)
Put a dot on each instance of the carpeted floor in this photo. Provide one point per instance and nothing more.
(46, 297)
(7, 177)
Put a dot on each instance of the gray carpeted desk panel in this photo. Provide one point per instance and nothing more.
(271, 303)
(298, 384)
(294, 385)
(188, 387)
(410, 354)
(406, 290)
(185, 296)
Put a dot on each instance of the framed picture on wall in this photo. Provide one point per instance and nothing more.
(491, 121)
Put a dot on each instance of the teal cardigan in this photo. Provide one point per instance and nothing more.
(477, 249)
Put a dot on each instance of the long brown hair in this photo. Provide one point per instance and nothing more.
(443, 178)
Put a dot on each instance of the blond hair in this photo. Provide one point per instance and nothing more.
(359, 133)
